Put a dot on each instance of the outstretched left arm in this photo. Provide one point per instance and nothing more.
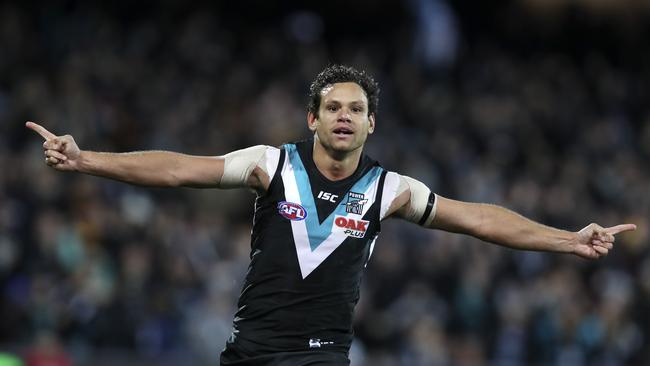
(501, 226)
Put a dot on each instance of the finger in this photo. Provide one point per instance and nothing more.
(596, 242)
(47, 135)
(55, 154)
(605, 245)
(620, 228)
(51, 161)
(600, 250)
(604, 236)
(54, 144)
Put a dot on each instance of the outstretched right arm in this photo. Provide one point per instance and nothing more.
(158, 168)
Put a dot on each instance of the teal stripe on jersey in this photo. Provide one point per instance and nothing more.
(318, 232)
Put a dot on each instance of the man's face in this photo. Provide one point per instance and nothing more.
(343, 123)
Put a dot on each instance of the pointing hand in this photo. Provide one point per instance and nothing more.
(61, 152)
(595, 241)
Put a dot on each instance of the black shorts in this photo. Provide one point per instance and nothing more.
(242, 352)
(308, 358)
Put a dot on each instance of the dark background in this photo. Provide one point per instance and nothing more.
(540, 106)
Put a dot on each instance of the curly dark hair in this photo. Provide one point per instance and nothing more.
(342, 74)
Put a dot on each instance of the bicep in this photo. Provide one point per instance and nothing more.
(412, 201)
(457, 216)
(445, 214)
(245, 168)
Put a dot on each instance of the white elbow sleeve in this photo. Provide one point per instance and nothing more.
(239, 165)
(422, 202)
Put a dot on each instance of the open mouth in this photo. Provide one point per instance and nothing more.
(343, 131)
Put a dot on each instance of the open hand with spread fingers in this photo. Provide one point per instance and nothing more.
(595, 241)
(61, 152)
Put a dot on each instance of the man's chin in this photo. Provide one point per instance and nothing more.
(344, 146)
(341, 146)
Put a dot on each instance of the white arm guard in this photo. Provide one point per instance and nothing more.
(422, 203)
(239, 165)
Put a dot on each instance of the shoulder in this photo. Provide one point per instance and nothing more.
(244, 158)
(408, 198)
(249, 166)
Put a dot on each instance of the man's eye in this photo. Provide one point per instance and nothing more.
(331, 108)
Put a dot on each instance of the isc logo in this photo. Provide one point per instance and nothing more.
(292, 211)
(351, 227)
(328, 196)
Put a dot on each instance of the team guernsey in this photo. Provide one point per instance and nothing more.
(310, 242)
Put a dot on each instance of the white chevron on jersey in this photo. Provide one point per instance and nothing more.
(308, 258)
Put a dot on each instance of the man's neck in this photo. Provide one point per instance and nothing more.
(335, 166)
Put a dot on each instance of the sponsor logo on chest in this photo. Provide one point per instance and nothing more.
(328, 196)
(292, 211)
(351, 227)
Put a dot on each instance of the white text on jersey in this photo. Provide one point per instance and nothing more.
(327, 196)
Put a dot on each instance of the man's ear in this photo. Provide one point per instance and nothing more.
(312, 121)
(371, 123)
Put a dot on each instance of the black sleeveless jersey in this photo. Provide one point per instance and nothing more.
(311, 240)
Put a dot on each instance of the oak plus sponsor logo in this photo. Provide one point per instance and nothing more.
(292, 211)
(351, 227)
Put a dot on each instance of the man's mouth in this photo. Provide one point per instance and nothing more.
(343, 131)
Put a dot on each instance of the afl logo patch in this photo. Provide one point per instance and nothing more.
(292, 211)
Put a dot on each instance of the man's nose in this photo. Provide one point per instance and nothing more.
(344, 115)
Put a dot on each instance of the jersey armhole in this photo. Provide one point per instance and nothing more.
(380, 197)
(389, 193)
(274, 161)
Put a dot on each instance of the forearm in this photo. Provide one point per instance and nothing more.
(504, 227)
(501, 226)
(148, 168)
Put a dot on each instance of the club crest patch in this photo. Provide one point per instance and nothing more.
(355, 202)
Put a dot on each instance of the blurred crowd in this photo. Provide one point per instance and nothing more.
(93, 271)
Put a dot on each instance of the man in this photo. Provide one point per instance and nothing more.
(319, 207)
